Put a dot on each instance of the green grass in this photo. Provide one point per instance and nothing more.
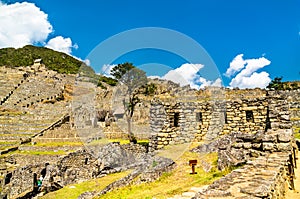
(4, 144)
(59, 152)
(175, 182)
(297, 132)
(122, 141)
(11, 113)
(73, 191)
(295, 119)
(294, 109)
(8, 143)
(19, 135)
(56, 144)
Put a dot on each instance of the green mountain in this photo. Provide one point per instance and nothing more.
(53, 60)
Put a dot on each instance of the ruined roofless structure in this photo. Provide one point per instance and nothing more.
(208, 114)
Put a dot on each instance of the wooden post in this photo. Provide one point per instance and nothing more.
(193, 163)
(295, 157)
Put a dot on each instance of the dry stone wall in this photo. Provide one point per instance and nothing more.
(269, 161)
(83, 165)
(179, 120)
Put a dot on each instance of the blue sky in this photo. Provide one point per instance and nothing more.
(265, 30)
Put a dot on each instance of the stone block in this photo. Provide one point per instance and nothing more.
(236, 118)
(162, 134)
(285, 125)
(256, 145)
(267, 146)
(226, 131)
(247, 145)
(250, 108)
(285, 117)
(237, 145)
(284, 137)
(270, 138)
(254, 153)
(284, 147)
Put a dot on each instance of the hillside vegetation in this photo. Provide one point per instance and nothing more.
(53, 60)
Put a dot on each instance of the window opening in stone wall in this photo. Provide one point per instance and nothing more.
(249, 116)
(176, 119)
(199, 117)
(225, 117)
(268, 122)
(7, 178)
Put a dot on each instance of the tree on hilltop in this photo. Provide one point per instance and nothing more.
(276, 84)
(130, 79)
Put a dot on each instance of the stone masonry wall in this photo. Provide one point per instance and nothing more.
(176, 120)
(269, 158)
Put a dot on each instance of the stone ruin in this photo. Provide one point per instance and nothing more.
(82, 165)
(210, 114)
(251, 129)
(266, 162)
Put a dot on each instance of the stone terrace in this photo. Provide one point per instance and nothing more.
(34, 103)
(10, 79)
(19, 126)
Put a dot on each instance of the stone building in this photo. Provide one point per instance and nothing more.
(210, 113)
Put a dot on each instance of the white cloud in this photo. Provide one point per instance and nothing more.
(154, 77)
(106, 69)
(187, 74)
(217, 83)
(184, 75)
(61, 44)
(236, 65)
(248, 77)
(87, 62)
(206, 83)
(22, 24)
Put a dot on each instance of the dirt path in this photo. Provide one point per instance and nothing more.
(294, 194)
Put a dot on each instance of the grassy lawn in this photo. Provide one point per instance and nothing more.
(59, 152)
(122, 141)
(175, 182)
(295, 119)
(7, 143)
(56, 144)
(297, 132)
(73, 191)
